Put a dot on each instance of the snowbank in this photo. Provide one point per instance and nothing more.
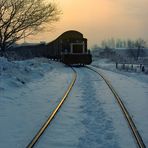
(18, 73)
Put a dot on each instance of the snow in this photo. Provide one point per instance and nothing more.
(90, 117)
(27, 97)
(133, 89)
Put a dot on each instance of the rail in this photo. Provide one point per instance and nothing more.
(128, 117)
(50, 118)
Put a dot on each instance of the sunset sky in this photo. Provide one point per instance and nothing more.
(101, 19)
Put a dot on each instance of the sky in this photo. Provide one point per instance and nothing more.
(100, 19)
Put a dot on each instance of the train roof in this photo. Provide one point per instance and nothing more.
(71, 34)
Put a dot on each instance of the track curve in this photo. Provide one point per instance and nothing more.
(50, 118)
(128, 117)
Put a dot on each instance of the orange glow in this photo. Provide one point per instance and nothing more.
(102, 19)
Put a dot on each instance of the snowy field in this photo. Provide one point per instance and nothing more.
(133, 89)
(29, 90)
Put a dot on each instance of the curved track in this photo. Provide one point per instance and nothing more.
(48, 121)
(128, 117)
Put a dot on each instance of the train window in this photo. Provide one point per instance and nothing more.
(77, 48)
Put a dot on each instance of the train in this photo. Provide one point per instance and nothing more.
(69, 48)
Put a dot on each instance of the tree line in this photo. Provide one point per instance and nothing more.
(135, 48)
(119, 43)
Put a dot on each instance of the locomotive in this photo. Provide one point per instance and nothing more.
(70, 48)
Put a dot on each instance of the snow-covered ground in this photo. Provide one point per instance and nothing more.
(90, 117)
(133, 89)
(29, 90)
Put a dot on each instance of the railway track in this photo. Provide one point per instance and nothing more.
(127, 116)
(53, 114)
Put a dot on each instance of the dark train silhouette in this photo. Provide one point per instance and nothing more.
(69, 48)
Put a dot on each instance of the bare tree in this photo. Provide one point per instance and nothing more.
(24, 17)
(130, 44)
(110, 43)
(135, 48)
(131, 48)
(139, 44)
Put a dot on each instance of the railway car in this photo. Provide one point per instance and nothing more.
(70, 48)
